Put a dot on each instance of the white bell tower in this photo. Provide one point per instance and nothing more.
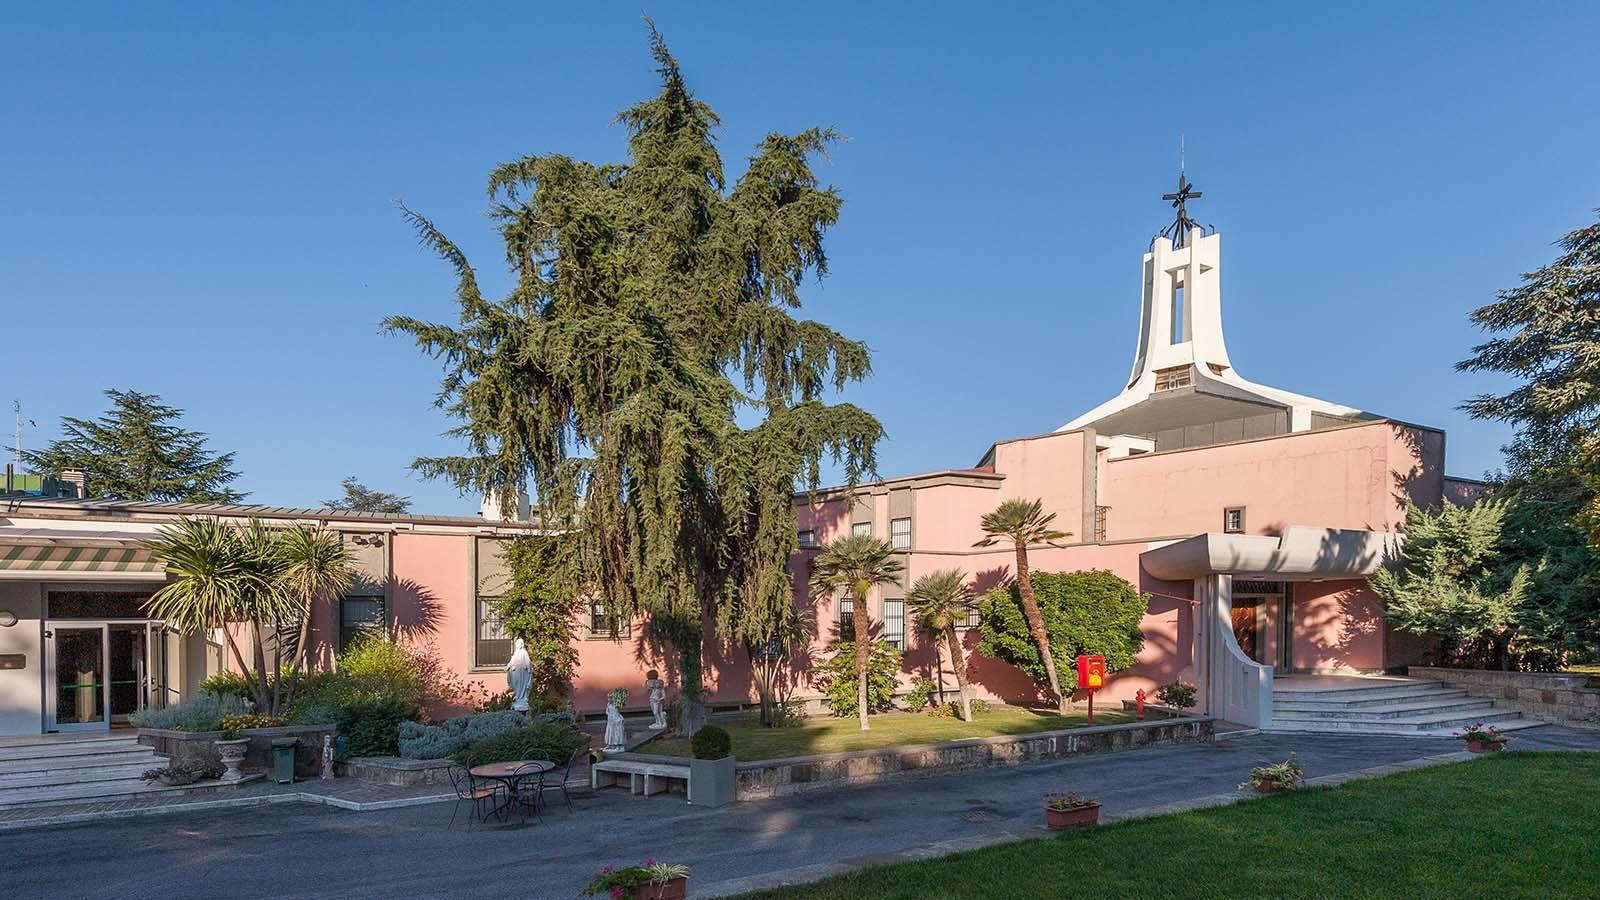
(1181, 349)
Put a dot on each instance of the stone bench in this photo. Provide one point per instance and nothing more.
(648, 778)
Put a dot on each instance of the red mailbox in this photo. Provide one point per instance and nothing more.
(1091, 673)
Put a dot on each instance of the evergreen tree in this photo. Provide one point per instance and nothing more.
(652, 314)
(360, 498)
(1551, 344)
(1450, 581)
(1548, 339)
(137, 451)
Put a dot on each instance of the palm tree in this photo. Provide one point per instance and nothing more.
(1023, 522)
(221, 575)
(313, 567)
(939, 601)
(853, 565)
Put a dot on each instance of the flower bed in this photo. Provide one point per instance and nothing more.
(197, 746)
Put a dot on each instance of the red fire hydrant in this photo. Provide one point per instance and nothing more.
(1140, 698)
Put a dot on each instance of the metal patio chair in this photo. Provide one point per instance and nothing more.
(478, 791)
(563, 773)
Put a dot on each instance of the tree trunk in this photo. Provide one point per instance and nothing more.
(238, 657)
(858, 617)
(959, 663)
(1041, 638)
(691, 709)
(302, 652)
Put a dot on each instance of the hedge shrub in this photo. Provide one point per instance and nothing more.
(711, 742)
(837, 678)
(1092, 612)
(556, 740)
(202, 712)
(419, 741)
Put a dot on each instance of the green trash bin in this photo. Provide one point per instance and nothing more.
(283, 759)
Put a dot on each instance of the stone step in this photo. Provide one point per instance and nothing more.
(58, 748)
(87, 763)
(1464, 705)
(82, 775)
(1435, 722)
(61, 793)
(1388, 728)
(1398, 688)
(1381, 699)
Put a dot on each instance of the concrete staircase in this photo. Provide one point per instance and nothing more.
(1393, 706)
(69, 768)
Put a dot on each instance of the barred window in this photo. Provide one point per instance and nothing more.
(861, 528)
(808, 537)
(847, 617)
(493, 644)
(600, 626)
(973, 619)
(894, 623)
(900, 534)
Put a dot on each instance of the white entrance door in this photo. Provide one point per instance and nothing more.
(79, 692)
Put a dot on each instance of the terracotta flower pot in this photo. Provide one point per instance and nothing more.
(1267, 787)
(672, 890)
(1485, 746)
(1076, 817)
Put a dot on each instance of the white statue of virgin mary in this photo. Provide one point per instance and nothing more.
(519, 676)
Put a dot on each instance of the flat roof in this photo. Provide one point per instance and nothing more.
(113, 508)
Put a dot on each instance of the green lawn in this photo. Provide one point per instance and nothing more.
(751, 741)
(1590, 669)
(1518, 824)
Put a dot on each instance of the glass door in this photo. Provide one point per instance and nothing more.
(81, 692)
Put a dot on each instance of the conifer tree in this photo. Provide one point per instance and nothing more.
(360, 498)
(137, 451)
(652, 314)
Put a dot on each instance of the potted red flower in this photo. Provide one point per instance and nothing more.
(1483, 738)
(651, 881)
(1070, 810)
(1284, 776)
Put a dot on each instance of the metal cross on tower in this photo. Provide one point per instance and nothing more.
(1178, 231)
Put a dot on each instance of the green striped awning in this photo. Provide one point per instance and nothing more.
(54, 558)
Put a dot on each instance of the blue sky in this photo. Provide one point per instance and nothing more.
(198, 201)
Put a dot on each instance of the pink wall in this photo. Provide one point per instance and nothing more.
(1047, 468)
(1337, 625)
(1339, 478)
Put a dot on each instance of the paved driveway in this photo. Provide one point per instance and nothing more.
(296, 851)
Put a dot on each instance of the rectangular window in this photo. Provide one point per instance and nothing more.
(360, 614)
(861, 528)
(600, 626)
(493, 644)
(900, 534)
(847, 618)
(808, 537)
(894, 623)
(1233, 520)
(973, 619)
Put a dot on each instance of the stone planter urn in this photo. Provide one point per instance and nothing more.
(711, 781)
(672, 890)
(232, 753)
(1076, 817)
(1485, 746)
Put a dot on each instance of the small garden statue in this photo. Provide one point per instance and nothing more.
(519, 676)
(327, 757)
(658, 700)
(616, 729)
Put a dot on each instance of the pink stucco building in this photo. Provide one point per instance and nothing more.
(1251, 517)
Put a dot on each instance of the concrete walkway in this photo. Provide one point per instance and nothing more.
(298, 850)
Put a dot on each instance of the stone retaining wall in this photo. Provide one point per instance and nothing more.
(779, 777)
(1547, 696)
(198, 745)
(398, 771)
